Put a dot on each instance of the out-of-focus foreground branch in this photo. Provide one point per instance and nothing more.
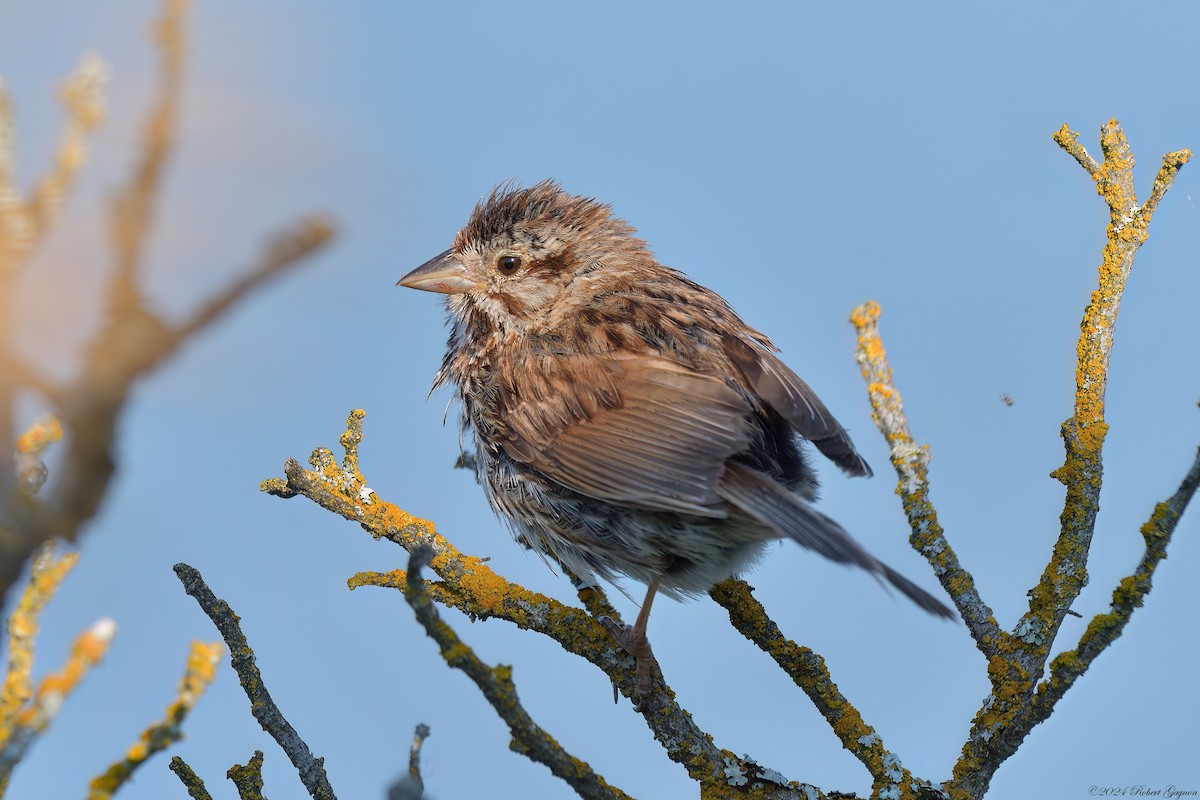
(133, 339)
(37, 507)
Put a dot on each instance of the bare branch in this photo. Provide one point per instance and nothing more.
(912, 466)
(311, 769)
(410, 786)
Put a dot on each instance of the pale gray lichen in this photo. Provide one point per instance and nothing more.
(891, 763)
(773, 776)
(890, 793)
(868, 739)
(1029, 630)
(734, 774)
(537, 612)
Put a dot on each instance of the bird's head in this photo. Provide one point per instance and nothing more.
(520, 251)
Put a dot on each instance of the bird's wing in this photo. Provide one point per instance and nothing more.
(638, 430)
(784, 391)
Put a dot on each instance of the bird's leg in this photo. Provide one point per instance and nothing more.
(634, 640)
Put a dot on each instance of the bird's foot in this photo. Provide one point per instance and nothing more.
(635, 643)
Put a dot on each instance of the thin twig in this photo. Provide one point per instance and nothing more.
(410, 785)
(1104, 629)
(911, 462)
(311, 769)
(46, 575)
(199, 673)
(420, 734)
(195, 786)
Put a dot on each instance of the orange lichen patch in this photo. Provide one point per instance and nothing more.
(89, 647)
(43, 433)
(865, 314)
(47, 574)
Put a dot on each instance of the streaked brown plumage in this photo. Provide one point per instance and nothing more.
(625, 418)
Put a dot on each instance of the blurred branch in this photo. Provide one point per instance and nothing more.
(133, 340)
(311, 769)
(88, 649)
(46, 575)
(200, 672)
(468, 584)
(31, 472)
(410, 786)
(24, 224)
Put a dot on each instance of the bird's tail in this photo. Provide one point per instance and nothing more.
(773, 505)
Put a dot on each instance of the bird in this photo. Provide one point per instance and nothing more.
(626, 421)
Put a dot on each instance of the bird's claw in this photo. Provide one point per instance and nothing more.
(637, 645)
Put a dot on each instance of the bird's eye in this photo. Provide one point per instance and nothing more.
(508, 265)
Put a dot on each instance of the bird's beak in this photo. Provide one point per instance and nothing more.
(443, 273)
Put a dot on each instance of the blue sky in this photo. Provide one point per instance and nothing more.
(798, 159)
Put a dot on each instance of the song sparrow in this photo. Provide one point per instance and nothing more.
(625, 418)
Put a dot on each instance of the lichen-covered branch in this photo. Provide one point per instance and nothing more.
(191, 781)
(1084, 433)
(469, 585)
(31, 472)
(200, 671)
(496, 683)
(35, 718)
(1014, 707)
(311, 768)
(911, 462)
(45, 577)
(1104, 629)
(808, 671)
(248, 779)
